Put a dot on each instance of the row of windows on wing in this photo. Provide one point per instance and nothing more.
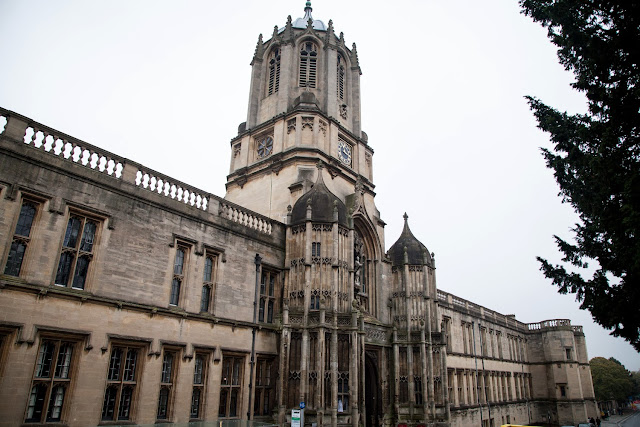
(77, 254)
(307, 69)
(54, 371)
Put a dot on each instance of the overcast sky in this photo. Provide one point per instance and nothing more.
(166, 83)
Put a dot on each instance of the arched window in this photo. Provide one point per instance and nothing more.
(274, 71)
(308, 60)
(340, 77)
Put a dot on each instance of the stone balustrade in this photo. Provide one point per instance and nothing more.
(63, 146)
(245, 217)
(169, 187)
(18, 128)
(548, 324)
(452, 301)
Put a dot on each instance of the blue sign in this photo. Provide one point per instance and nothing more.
(301, 405)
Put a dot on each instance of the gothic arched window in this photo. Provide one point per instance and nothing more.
(340, 77)
(274, 71)
(308, 61)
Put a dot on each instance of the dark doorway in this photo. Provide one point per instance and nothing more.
(373, 395)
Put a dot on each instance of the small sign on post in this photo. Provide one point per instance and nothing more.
(295, 418)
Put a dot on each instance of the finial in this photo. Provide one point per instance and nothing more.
(405, 216)
(354, 56)
(259, 48)
(330, 35)
(288, 30)
(319, 165)
(275, 32)
(307, 6)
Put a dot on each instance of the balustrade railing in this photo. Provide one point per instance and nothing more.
(247, 218)
(545, 324)
(169, 187)
(16, 127)
(68, 148)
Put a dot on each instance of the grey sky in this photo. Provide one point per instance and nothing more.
(166, 84)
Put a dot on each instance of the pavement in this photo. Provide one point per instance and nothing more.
(628, 418)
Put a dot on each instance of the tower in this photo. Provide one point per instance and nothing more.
(304, 106)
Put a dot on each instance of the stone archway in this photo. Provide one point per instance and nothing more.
(373, 392)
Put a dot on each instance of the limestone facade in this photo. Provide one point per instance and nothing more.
(128, 297)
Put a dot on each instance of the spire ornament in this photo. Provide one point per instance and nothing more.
(259, 52)
(287, 35)
(354, 57)
(330, 37)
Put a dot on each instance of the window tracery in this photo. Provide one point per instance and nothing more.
(77, 251)
(21, 238)
(51, 381)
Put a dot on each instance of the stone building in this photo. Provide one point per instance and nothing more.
(128, 297)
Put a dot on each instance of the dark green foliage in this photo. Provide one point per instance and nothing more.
(611, 381)
(635, 378)
(596, 156)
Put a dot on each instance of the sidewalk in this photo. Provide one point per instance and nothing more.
(615, 420)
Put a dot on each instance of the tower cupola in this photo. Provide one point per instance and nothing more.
(306, 55)
(409, 250)
(303, 22)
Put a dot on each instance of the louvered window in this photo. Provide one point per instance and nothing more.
(340, 77)
(308, 64)
(274, 71)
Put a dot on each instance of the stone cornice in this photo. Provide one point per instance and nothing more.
(242, 176)
(258, 129)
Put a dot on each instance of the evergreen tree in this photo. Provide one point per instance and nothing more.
(596, 156)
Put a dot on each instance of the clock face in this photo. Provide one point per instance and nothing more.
(344, 152)
(265, 146)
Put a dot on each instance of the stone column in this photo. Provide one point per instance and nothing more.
(353, 368)
(334, 373)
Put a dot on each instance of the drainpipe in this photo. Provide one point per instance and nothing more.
(258, 263)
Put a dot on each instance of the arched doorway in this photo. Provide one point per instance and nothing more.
(373, 395)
